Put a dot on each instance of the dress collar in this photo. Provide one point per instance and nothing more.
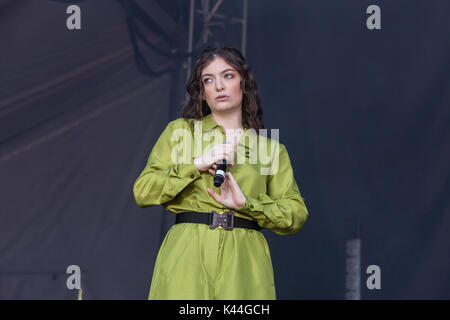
(208, 123)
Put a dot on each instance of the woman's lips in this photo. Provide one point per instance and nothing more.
(222, 98)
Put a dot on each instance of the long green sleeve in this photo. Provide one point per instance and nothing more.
(282, 209)
(162, 180)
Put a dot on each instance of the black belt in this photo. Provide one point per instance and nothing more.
(226, 220)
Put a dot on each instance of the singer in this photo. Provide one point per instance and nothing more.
(215, 249)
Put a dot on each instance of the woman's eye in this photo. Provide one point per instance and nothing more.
(209, 80)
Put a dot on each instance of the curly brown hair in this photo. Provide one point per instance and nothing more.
(196, 108)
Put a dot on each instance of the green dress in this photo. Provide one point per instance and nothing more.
(194, 261)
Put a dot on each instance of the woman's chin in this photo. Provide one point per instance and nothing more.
(223, 108)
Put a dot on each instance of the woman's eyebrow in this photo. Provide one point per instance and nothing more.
(209, 74)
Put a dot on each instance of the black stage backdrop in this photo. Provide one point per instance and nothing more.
(364, 114)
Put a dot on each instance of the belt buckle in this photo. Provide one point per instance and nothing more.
(223, 220)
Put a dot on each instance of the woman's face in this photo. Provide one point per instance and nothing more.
(222, 86)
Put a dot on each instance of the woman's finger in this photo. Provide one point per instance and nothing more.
(219, 157)
(234, 186)
(213, 194)
(236, 190)
(232, 181)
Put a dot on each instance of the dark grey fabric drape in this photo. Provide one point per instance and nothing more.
(77, 124)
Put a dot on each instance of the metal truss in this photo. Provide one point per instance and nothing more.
(214, 17)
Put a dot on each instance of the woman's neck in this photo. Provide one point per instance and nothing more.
(230, 120)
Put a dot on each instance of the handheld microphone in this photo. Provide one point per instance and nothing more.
(219, 177)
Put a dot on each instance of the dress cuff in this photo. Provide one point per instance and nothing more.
(252, 206)
(188, 171)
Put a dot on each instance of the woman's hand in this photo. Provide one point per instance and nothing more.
(231, 195)
(219, 152)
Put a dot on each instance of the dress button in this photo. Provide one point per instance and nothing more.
(192, 176)
(251, 206)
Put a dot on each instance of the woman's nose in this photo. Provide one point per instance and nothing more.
(219, 85)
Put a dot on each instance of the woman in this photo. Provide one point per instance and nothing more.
(216, 250)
